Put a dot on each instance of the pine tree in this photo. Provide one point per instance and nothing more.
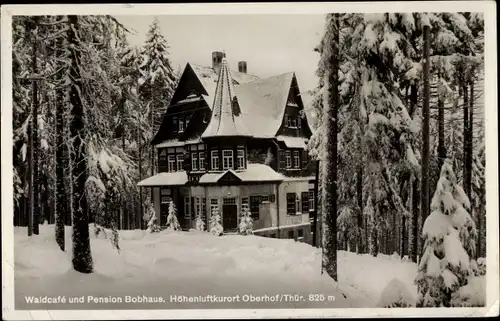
(200, 224)
(449, 244)
(152, 219)
(158, 80)
(215, 225)
(172, 222)
(246, 222)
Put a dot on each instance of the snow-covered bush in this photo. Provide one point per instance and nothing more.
(471, 295)
(151, 217)
(172, 222)
(449, 244)
(200, 225)
(481, 266)
(396, 295)
(246, 222)
(215, 225)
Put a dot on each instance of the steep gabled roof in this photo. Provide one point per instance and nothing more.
(263, 103)
(208, 78)
(227, 120)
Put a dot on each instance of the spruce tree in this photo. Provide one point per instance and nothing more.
(215, 225)
(449, 244)
(172, 222)
(246, 222)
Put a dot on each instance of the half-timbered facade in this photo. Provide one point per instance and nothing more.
(229, 140)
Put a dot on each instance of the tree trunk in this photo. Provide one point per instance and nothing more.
(82, 257)
(330, 193)
(374, 235)
(36, 144)
(465, 152)
(441, 130)
(468, 178)
(359, 194)
(424, 181)
(141, 202)
(61, 164)
(413, 242)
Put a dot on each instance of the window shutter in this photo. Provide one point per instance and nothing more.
(207, 159)
(282, 161)
(304, 158)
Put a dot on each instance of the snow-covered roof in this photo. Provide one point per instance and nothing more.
(262, 101)
(208, 78)
(177, 143)
(253, 173)
(293, 142)
(165, 179)
(227, 120)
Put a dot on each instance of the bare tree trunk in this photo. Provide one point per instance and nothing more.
(82, 257)
(36, 144)
(330, 193)
(441, 130)
(424, 189)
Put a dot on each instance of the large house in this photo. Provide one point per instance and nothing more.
(229, 140)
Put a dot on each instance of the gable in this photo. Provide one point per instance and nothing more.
(188, 83)
(229, 178)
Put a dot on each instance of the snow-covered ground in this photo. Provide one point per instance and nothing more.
(196, 263)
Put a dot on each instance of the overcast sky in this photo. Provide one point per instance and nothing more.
(271, 44)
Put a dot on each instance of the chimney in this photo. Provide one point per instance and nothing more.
(217, 60)
(242, 66)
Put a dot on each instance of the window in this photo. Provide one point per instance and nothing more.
(293, 122)
(188, 120)
(311, 200)
(180, 162)
(227, 159)
(288, 159)
(241, 158)
(229, 201)
(197, 206)
(181, 125)
(202, 161)
(214, 205)
(254, 206)
(305, 202)
(290, 234)
(171, 163)
(174, 123)
(272, 198)
(287, 120)
(290, 203)
(215, 159)
(203, 207)
(296, 159)
(187, 206)
(163, 154)
(166, 194)
(194, 161)
(300, 233)
(299, 122)
(244, 203)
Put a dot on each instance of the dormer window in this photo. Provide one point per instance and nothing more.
(180, 162)
(227, 159)
(296, 159)
(287, 120)
(288, 158)
(181, 125)
(293, 122)
(241, 159)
